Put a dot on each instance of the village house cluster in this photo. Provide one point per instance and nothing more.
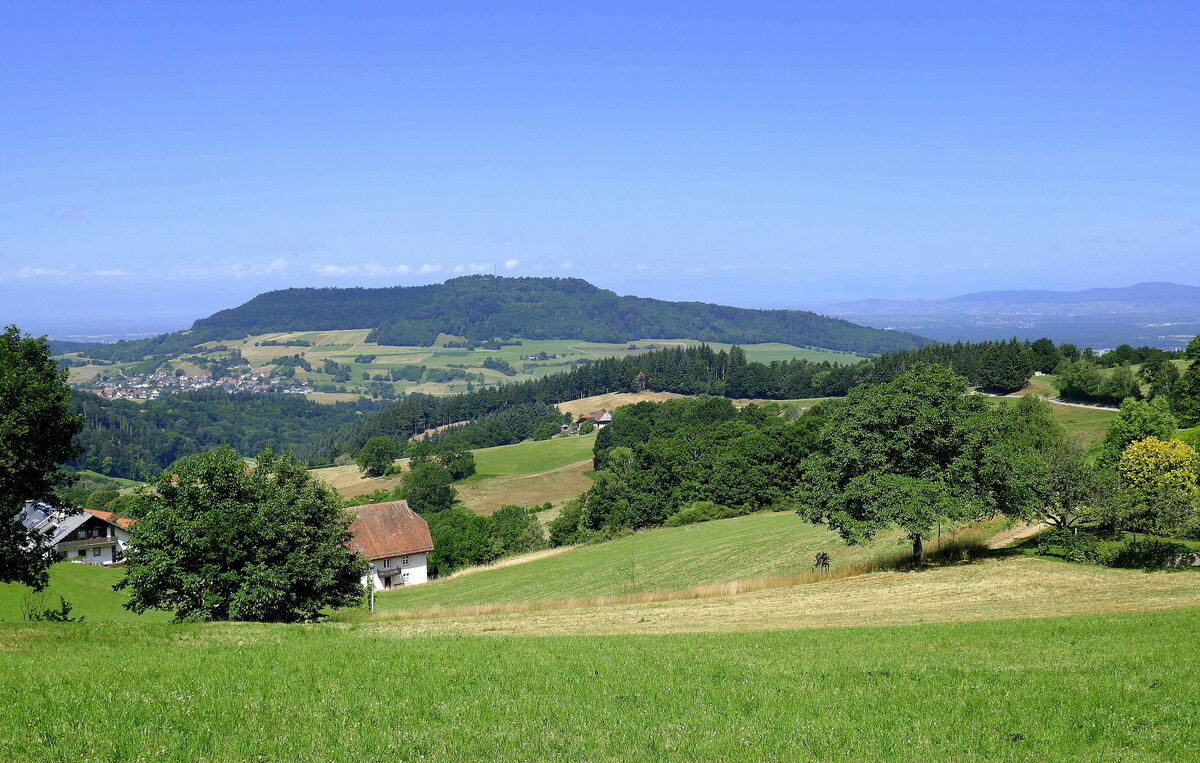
(151, 386)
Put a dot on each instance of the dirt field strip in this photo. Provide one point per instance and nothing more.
(1017, 532)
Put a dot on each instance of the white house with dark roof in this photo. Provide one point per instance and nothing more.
(600, 418)
(86, 535)
(395, 539)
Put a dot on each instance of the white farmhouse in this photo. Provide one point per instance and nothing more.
(396, 540)
(88, 535)
(600, 418)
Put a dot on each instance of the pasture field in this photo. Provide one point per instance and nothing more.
(1100, 687)
(530, 472)
(666, 559)
(557, 485)
(532, 457)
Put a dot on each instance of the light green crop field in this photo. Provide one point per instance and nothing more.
(1100, 687)
(87, 587)
(667, 559)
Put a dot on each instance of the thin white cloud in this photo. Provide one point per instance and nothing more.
(277, 265)
(32, 272)
(729, 267)
(114, 273)
(366, 268)
(474, 267)
(428, 268)
(566, 265)
(511, 264)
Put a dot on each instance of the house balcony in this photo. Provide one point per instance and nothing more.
(67, 546)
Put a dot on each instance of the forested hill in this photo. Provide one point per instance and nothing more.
(485, 307)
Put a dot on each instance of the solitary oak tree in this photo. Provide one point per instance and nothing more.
(911, 453)
(221, 540)
(36, 438)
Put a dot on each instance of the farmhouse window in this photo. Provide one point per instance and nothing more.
(403, 560)
(96, 551)
(387, 563)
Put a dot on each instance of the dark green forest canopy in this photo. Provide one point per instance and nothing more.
(124, 438)
(488, 307)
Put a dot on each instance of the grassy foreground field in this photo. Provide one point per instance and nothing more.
(1110, 687)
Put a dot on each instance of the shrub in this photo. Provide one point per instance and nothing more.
(703, 511)
(1147, 553)
(1081, 548)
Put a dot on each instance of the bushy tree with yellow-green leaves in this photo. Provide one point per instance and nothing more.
(1160, 486)
(1154, 464)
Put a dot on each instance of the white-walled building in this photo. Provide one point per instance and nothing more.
(396, 539)
(600, 418)
(88, 535)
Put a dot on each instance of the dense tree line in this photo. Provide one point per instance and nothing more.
(658, 459)
(124, 438)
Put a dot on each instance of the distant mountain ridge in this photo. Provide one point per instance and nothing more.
(484, 307)
(1151, 297)
(1159, 314)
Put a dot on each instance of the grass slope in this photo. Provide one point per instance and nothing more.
(1115, 687)
(667, 559)
(87, 587)
(532, 457)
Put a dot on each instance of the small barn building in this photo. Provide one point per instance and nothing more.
(395, 539)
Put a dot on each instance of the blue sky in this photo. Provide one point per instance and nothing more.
(163, 160)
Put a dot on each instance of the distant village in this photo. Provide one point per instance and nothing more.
(151, 386)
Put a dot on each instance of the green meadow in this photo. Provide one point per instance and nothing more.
(1106, 687)
(87, 587)
(532, 457)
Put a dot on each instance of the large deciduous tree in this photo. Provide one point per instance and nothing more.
(377, 455)
(1137, 420)
(222, 540)
(36, 431)
(911, 453)
(427, 488)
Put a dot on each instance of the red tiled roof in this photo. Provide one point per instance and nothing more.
(108, 516)
(382, 530)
